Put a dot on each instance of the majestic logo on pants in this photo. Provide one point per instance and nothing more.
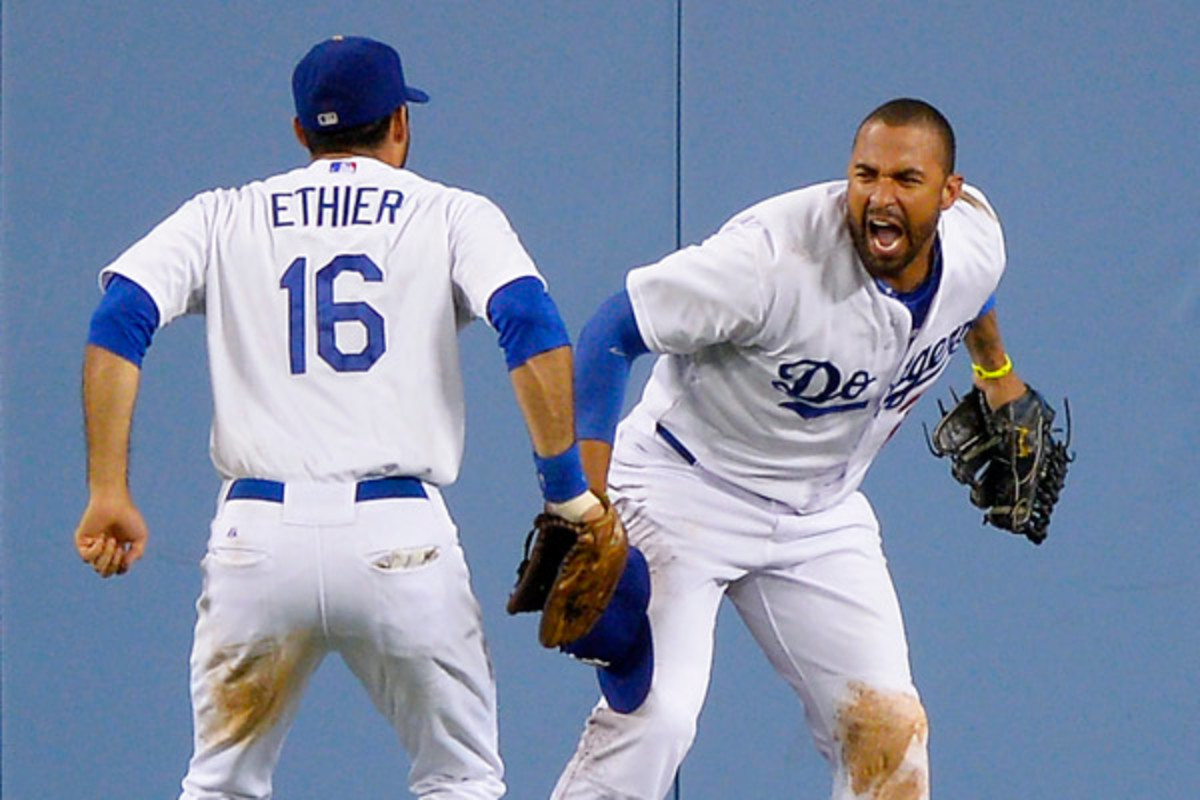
(817, 388)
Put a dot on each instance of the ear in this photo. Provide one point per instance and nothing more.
(399, 138)
(400, 124)
(951, 190)
(298, 130)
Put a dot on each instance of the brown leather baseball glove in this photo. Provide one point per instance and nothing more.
(569, 573)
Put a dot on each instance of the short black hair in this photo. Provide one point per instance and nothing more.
(361, 137)
(910, 111)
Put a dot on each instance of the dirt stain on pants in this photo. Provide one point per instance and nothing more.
(877, 730)
(254, 685)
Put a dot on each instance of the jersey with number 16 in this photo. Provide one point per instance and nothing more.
(333, 296)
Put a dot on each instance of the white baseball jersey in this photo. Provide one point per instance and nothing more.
(333, 295)
(787, 366)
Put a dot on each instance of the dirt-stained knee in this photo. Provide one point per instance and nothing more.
(878, 730)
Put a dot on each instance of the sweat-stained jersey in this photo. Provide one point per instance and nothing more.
(786, 366)
(333, 295)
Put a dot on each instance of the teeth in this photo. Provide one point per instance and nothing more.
(882, 230)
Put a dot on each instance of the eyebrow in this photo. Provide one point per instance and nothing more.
(907, 172)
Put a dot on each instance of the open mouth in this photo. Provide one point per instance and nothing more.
(885, 236)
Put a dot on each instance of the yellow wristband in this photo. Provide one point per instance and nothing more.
(993, 374)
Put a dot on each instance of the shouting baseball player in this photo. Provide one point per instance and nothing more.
(792, 344)
(333, 295)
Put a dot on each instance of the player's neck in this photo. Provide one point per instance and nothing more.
(393, 156)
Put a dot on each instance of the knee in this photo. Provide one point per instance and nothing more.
(672, 722)
(882, 737)
(662, 729)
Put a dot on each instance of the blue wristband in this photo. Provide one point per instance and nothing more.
(561, 477)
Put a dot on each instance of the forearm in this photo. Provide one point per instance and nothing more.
(538, 353)
(608, 345)
(543, 390)
(985, 344)
(110, 387)
(999, 383)
(596, 455)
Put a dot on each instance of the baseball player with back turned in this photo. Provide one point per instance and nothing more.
(333, 294)
(791, 345)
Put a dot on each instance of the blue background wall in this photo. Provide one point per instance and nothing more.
(1067, 671)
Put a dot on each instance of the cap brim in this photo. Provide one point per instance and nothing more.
(626, 688)
(415, 95)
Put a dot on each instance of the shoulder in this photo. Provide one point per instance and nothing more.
(797, 236)
(814, 206)
(288, 178)
(972, 214)
(806, 221)
(227, 197)
(971, 232)
(456, 199)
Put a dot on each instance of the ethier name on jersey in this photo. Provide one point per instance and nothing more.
(334, 206)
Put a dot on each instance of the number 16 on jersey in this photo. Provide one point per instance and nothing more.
(330, 312)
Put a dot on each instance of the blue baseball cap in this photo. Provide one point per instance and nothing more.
(348, 81)
(620, 644)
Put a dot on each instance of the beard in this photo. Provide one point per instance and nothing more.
(894, 264)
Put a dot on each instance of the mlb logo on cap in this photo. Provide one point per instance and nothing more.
(349, 81)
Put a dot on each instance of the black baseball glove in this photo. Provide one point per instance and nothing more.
(1010, 459)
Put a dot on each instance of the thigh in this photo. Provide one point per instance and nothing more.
(700, 536)
(635, 755)
(826, 614)
(258, 618)
(402, 614)
(688, 532)
(257, 641)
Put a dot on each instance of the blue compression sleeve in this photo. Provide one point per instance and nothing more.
(604, 354)
(527, 320)
(988, 306)
(125, 321)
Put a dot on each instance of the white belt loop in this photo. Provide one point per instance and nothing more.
(309, 503)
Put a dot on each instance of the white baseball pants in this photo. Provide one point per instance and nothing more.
(383, 583)
(815, 592)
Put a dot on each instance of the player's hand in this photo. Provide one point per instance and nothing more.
(112, 535)
(1002, 391)
(584, 508)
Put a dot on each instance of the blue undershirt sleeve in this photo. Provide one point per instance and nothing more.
(527, 320)
(988, 306)
(604, 354)
(125, 320)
